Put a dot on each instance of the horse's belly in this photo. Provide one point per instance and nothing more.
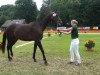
(25, 37)
(28, 37)
(28, 34)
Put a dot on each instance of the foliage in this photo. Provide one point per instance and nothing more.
(85, 11)
(26, 9)
(23, 9)
(6, 12)
(89, 43)
(0, 43)
(44, 9)
(3, 18)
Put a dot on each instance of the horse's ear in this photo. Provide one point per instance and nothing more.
(55, 11)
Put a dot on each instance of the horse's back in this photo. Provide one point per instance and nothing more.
(25, 32)
(28, 32)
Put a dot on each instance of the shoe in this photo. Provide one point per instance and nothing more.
(70, 62)
(78, 64)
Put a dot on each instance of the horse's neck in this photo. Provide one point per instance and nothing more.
(45, 22)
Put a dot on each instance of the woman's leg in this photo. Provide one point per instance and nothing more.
(76, 46)
(71, 52)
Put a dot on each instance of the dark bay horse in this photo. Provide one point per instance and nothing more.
(28, 32)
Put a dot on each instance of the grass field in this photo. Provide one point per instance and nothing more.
(57, 53)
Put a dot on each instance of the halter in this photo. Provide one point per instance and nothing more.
(54, 14)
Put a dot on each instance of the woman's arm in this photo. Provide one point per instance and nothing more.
(68, 29)
(67, 32)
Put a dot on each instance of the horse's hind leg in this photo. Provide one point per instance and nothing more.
(13, 42)
(35, 47)
(9, 48)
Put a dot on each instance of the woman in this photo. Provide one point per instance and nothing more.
(74, 43)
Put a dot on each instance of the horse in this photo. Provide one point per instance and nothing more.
(28, 32)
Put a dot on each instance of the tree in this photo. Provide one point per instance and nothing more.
(92, 11)
(26, 9)
(85, 11)
(66, 9)
(6, 12)
(44, 9)
(3, 18)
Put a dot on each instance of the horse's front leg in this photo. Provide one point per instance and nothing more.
(42, 50)
(34, 52)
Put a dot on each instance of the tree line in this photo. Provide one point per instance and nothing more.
(23, 9)
(87, 12)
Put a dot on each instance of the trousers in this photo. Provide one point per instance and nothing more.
(74, 50)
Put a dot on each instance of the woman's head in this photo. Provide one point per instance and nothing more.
(74, 22)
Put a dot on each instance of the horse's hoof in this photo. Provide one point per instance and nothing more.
(10, 59)
(35, 61)
(46, 63)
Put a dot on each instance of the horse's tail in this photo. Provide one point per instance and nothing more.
(3, 42)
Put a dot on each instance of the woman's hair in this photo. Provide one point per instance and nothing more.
(74, 21)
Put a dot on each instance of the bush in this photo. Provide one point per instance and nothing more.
(90, 43)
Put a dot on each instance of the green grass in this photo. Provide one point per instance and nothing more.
(57, 53)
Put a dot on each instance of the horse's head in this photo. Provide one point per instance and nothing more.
(56, 18)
